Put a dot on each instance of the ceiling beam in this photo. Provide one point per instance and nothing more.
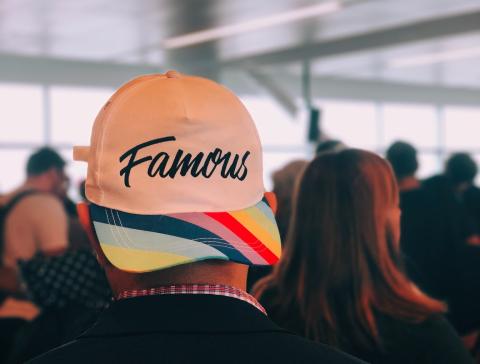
(277, 92)
(46, 70)
(350, 89)
(385, 91)
(386, 37)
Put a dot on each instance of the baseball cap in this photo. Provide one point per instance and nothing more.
(175, 176)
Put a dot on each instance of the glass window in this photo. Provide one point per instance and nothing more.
(73, 111)
(354, 123)
(462, 128)
(14, 162)
(274, 125)
(429, 164)
(415, 124)
(21, 113)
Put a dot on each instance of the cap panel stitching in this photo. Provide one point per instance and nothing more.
(116, 98)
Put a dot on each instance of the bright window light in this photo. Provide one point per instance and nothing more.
(415, 124)
(429, 164)
(21, 113)
(283, 139)
(274, 125)
(462, 128)
(353, 123)
(14, 161)
(73, 111)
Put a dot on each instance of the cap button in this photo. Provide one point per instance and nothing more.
(172, 74)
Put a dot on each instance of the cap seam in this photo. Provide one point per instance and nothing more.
(184, 104)
(119, 98)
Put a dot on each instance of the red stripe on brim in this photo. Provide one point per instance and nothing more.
(238, 229)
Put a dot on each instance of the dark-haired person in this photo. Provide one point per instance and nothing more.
(461, 170)
(450, 195)
(340, 282)
(403, 158)
(423, 238)
(37, 221)
(32, 220)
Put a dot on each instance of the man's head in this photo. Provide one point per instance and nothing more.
(461, 169)
(403, 158)
(175, 178)
(45, 169)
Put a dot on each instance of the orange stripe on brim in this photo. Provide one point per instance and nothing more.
(238, 229)
(251, 220)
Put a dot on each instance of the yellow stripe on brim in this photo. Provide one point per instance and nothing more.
(136, 261)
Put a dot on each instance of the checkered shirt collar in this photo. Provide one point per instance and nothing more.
(201, 289)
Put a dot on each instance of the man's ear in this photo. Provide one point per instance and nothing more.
(272, 201)
(86, 222)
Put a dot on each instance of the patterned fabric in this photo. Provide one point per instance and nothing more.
(142, 243)
(205, 289)
(72, 278)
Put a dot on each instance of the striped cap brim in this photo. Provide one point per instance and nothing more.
(143, 243)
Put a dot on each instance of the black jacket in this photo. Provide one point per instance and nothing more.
(189, 329)
(436, 223)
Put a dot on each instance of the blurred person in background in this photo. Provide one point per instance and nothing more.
(424, 242)
(340, 280)
(32, 220)
(82, 191)
(284, 183)
(461, 170)
(450, 188)
(71, 290)
(451, 197)
(433, 230)
(37, 222)
(66, 286)
(437, 222)
(403, 158)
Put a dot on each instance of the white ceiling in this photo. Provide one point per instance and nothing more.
(132, 31)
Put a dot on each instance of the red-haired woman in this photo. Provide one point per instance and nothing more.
(339, 281)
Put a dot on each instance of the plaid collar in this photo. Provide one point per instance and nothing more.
(201, 289)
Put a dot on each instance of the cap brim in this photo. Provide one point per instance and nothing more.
(144, 243)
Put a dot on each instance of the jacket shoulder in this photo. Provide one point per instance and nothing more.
(278, 347)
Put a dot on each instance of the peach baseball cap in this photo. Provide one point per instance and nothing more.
(175, 176)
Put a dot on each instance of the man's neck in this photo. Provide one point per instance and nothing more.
(35, 184)
(208, 272)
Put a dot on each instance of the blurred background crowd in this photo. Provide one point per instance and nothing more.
(322, 79)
